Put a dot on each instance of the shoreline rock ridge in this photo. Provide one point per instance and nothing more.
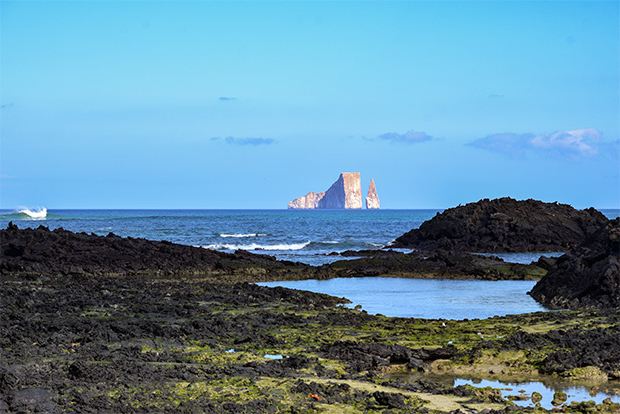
(505, 225)
(372, 200)
(345, 193)
(586, 277)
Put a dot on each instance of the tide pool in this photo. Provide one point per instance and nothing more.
(427, 298)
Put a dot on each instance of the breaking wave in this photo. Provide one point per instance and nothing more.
(37, 214)
(239, 235)
(254, 246)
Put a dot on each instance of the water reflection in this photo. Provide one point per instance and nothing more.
(521, 392)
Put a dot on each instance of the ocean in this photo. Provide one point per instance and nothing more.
(307, 236)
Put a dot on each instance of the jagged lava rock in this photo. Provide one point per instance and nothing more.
(505, 225)
(47, 252)
(587, 276)
(346, 192)
(372, 200)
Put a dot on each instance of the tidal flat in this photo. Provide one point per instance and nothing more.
(132, 344)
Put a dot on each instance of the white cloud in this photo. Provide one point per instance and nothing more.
(577, 143)
(573, 144)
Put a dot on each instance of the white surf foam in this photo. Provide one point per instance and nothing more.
(240, 235)
(40, 213)
(255, 246)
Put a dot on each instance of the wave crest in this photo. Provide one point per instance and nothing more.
(255, 246)
(241, 235)
(39, 213)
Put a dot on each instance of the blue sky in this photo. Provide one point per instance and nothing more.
(251, 104)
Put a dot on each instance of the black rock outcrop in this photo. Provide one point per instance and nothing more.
(505, 225)
(42, 251)
(587, 276)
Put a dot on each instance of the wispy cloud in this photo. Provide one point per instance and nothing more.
(245, 141)
(409, 137)
(226, 99)
(573, 144)
(510, 144)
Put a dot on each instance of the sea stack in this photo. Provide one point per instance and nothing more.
(372, 200)
(345, 193)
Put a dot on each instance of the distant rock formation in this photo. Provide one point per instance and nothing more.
(310, 200)
(372, 200)
(587, 276)
(505, 225)
(346, 192)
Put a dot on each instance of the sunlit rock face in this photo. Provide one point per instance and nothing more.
(310, 200)
(372, 200)
(346, 192)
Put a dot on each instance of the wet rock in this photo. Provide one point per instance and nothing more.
(505, 225)
(559, 398)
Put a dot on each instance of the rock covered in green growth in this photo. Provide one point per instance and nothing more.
(559, 398)
(536, 397)
(588, 373)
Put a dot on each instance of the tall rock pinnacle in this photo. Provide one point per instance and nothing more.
(372, 200)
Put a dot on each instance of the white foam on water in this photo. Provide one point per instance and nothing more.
(255, 246)
(39, 213)
(240, 235)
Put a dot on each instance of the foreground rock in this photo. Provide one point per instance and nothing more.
(60, 252)
(585, 277)
(505, 225)
(346, 192)
(92, 344)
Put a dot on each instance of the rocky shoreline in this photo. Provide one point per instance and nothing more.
(107, 324)
(126, 344)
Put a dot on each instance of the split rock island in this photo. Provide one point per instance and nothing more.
(345, 193)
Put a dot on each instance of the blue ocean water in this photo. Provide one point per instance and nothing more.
(298, 235)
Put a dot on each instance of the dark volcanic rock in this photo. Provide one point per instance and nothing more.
(60, 252)
(505, 225)
(585, 277)
(366, 356)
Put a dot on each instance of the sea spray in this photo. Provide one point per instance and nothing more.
(39, 213)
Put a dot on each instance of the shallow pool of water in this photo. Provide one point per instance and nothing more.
(573, 392)
(547, 386)
(427, 298)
